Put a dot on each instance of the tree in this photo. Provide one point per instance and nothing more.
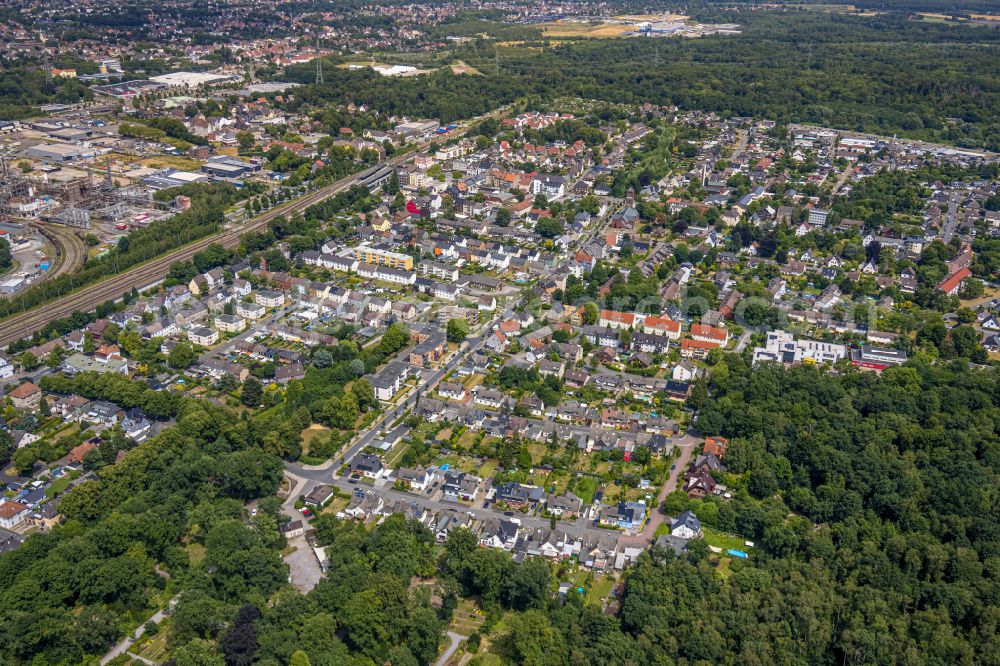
(528, 585)
(6, 445)
(395, 338)
(53, 359)
(458, 329)
(342, 412)
(425, 634)
(299, 658)
(549, 227)
(392, 186)
(253, 392)
(239, 644)
(182, 356)
(89, 344)
(504, 217)
(24, 459)
(6, 258)
(590, 314)
(198, 652)
(322, 358)
(28, 361)
(364, 393)
(246, 141)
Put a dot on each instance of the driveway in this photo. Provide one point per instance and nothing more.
(456, 639)
(304, 570)
(688, 445)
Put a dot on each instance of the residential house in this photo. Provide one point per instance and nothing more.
(319, 496)
(460, 486)
(499, 534)
(27, 396)
(416, 479)
(390, 380)
(12, 514)
(686, 526)
(368, 465)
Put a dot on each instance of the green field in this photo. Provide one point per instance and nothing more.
(723, 540)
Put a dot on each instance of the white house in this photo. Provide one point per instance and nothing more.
(269, 299)
(686, 526)
(251, 310)
(203, 336)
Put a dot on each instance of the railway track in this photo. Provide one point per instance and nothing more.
(26, 323)
(70, 248)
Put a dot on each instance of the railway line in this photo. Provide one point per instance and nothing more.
(28, 322)
(71, 251)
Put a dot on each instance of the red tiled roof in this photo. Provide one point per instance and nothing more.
(25, 390)
(953, 280)
(10, 509)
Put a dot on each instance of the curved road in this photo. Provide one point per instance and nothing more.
(456, 640)
(26, 323)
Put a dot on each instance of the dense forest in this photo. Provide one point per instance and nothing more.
(872, 499)
(882, 73)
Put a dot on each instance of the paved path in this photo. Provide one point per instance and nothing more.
(456, 639)
(124, 644)
(844, 175)
(742, 343)
(688, 445)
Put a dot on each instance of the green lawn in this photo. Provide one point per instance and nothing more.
(196, 552)
(487, 468)
(537, 451)
(723, 540)
(723, 568)
(600, 590)
(57, 486)
(585, 488)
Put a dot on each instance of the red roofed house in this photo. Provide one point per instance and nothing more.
(662, 326)
(703, 333)
(26, 396)
(696, 348)
(610, 318)
(716, 446)
(951, 284)
(106, 353)
(76, 455)
(12, 513)
(509, 326)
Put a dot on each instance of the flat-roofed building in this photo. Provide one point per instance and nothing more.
(379, 257)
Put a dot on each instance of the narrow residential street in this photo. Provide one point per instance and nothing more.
(688, 445)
